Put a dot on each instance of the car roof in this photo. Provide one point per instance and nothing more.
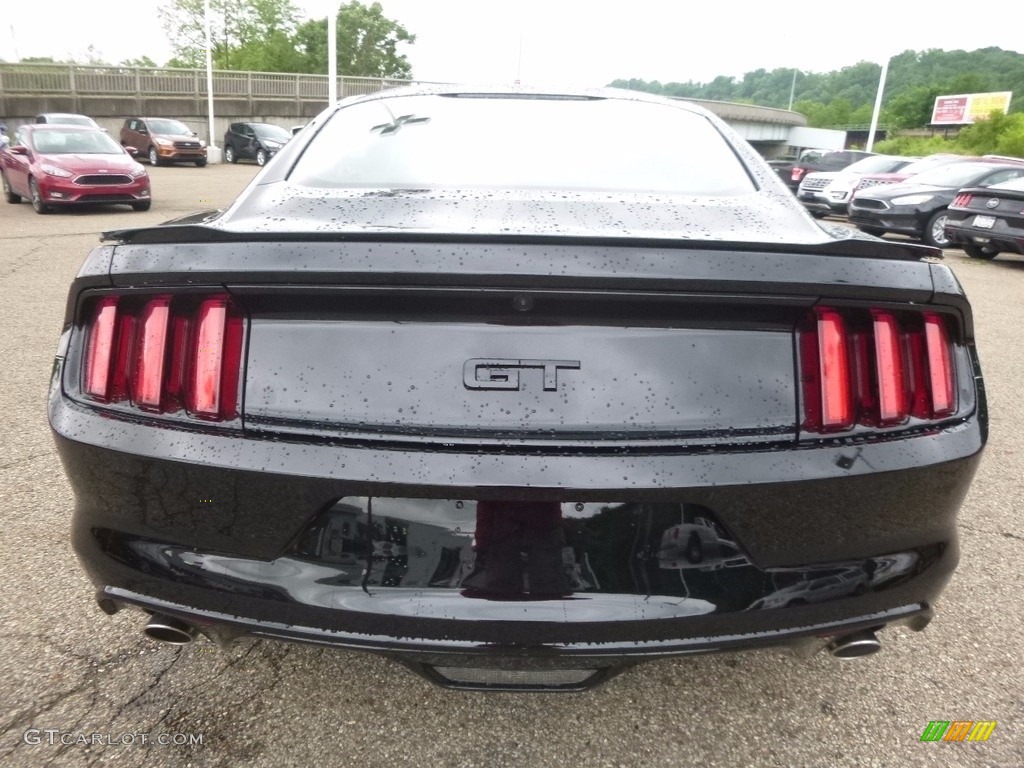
(1013, 185)
(520, 92)
(61, 127)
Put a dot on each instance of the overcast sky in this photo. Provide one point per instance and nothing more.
(573, 42)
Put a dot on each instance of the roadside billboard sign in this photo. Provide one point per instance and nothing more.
(966, 108)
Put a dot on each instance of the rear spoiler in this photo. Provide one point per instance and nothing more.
(843, 242)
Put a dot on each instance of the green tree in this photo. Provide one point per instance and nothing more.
(841, 97)
(139, 61)
(270, 36)
(912, 108)
(238, 28)
(368, 43)
(984, 136)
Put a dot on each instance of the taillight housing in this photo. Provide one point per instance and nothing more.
(875, 367)
(962, 200)
(797, 173)
(165, 354)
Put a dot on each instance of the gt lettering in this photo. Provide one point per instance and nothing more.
(500, 373)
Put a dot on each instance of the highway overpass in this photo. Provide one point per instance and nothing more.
(111, 93)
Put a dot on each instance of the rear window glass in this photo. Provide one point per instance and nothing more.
(419, 142)
(955, 175)
(1016, 185)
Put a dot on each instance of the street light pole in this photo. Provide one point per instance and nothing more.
(332, 55)
(792, 90)
(213, 156)
(878, 106)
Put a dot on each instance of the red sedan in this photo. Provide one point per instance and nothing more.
(56, 165)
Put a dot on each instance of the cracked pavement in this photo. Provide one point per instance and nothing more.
(66, 666)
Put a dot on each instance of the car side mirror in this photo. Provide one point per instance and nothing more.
(19, 149)
(131, 151)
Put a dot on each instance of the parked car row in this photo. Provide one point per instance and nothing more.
(918, 197)
(64, 159)
(164, 141)
(829, 192)
(918, 206)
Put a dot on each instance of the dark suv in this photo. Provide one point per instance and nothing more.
(254, 141)
(792, 172)
(163, 140)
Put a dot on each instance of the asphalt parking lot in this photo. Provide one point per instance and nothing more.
(81, 689)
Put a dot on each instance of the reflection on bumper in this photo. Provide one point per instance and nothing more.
(424, 573)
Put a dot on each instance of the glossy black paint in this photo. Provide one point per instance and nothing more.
(632, 481)
(874, 209)
(1004, 205)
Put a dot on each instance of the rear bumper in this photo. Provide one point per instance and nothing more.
(174, 154)
(1003, 238)
(814, 201)
(222, 541)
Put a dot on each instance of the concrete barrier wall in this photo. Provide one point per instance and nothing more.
(111, 112)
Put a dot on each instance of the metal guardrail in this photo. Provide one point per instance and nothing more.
(157, 82)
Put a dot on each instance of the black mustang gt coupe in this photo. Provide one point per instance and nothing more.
(518, 388)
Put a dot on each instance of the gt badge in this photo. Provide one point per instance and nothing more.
(499, 373)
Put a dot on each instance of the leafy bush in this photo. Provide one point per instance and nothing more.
(916, 146)
(998, 135)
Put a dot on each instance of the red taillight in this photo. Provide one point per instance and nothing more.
(100, 349)
(875, 369)
(150, 353)
(940, 366)
(178, 363)
(166, 354)
(962, 200)
(205, 380)
(797, 173)
(892, 389)
(836, 400)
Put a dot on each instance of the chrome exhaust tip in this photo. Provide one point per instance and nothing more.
(169, 630)
(855, 645)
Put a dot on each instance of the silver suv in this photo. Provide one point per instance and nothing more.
(829, 192)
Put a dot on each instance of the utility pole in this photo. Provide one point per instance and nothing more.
(213, 154)
(332, 55)
(878, 106)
